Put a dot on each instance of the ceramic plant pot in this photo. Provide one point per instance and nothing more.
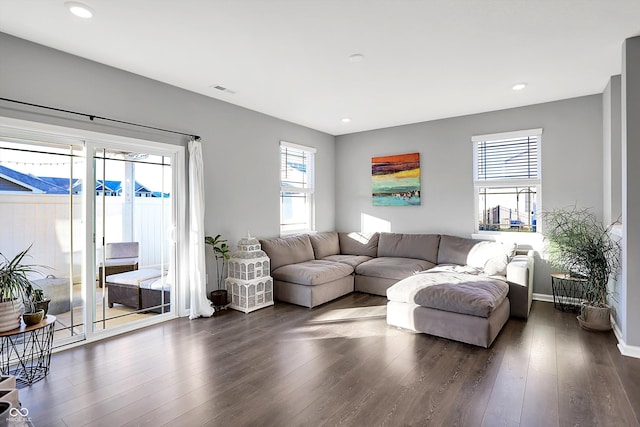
(42, 305)
(10, 312)
(34, 318)
(219, 297)
(595, 318)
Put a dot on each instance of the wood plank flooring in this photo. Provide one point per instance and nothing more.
(339, 364)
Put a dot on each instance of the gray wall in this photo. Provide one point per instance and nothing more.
(612, 177)
(571, 167)
(241, 147)
(630, 317)
(612, 150)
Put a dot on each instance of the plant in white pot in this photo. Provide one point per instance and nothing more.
(15, 289)
(582, 246)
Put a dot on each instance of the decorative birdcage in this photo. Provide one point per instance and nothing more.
(248, 283)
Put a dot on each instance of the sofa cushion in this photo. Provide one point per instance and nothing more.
(392, 267)
(419, 246)
(325, 244)
(288, 250)
(463, 293)
(352, 260)
(476, 253)
(359, 243)
(315, 272)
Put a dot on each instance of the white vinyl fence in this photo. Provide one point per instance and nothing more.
(44, 221)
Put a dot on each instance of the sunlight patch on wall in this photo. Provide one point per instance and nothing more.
(369, 223)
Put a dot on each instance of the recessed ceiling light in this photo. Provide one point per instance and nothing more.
(356, 57)
(519, 86)
(346, 120)
(79, 9)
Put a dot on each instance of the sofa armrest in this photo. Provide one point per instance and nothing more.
(520, 280)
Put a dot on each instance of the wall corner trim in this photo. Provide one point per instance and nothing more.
(543, 297)
(623, 347)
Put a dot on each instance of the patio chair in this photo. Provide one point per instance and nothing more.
(119, 258)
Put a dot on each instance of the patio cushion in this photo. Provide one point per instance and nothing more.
(112, 262)
(135, 277)
(156, 284)
(122, 250)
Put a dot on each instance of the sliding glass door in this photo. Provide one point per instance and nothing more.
(41, 209)
(100, 215)
(133, 219)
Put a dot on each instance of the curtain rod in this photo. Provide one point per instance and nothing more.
(93, 117)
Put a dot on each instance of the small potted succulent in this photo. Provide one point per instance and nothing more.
(40, 300)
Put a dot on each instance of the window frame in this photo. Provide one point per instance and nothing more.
(510, 182)
(308, 190)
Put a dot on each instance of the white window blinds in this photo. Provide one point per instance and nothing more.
(508, 156)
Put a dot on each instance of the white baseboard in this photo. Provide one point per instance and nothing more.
(543, 297)
(625, 350)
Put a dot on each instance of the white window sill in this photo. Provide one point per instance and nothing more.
(522, 240)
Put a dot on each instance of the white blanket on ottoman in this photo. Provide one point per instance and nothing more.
(452, 288)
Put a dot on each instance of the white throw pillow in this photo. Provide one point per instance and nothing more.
(483, 251)
(497, 266)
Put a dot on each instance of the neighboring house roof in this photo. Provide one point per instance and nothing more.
(15, 181)
(109, 185)
(142, 189)
(64, 183)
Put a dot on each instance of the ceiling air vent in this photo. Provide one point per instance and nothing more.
(222, 89)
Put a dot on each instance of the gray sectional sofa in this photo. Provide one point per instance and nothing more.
(458, 288)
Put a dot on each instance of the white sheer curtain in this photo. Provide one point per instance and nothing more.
(199, 304)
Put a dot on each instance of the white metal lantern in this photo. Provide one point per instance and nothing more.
(249, 284)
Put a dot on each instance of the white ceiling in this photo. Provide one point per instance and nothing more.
(424, 60)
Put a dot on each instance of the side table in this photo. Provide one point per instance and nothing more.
(568, 291)
(25, 352)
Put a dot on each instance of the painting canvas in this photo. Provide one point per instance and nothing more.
(396, 180)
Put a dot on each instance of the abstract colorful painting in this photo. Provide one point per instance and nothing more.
(395, 180)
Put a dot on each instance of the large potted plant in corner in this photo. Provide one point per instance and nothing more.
(582, 246)
(221, 252)
(15, 289)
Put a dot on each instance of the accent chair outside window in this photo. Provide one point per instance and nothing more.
(507, 180)
(297, 211)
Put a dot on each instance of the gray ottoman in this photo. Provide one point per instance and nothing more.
(460, 306)
(56, 288)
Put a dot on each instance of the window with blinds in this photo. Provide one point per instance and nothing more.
(296, 188)
(507, 180)
(515, 158)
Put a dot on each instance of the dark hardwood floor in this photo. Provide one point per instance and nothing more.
(339, 364)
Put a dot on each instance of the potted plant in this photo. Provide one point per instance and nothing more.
(15, 289)
(40, 300)
(582, 246)
(221, 252)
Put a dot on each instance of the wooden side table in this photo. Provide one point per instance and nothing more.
(568, 291)
(25, 352)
